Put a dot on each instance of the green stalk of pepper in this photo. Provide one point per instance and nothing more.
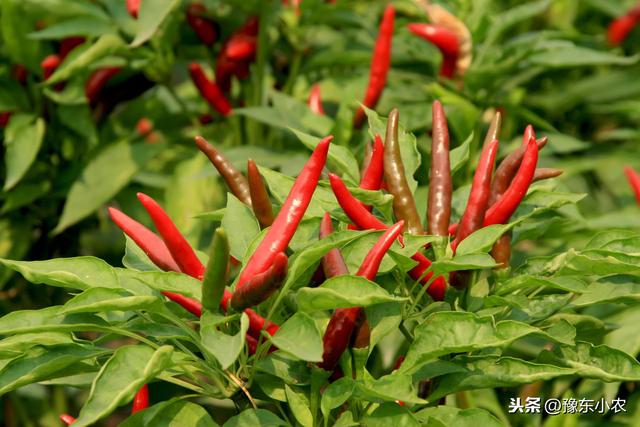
(404, 206)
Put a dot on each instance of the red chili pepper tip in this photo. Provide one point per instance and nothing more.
(634, 180)
(141, 399)
(133, 6)
(67, 419)
(315, 100)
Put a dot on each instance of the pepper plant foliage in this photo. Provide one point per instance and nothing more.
(535, 323)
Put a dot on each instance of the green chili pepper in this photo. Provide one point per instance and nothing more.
(215, 276)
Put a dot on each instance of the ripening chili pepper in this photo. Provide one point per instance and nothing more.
(209, 90)
(49, 65)
(237, 53)
(634, 181)
(67, 419)
(373, 173)
(260, 202)
(286, 222)
(68, 44)
(215, 275)
(252, 344)
(380, 64)
(474, 213)
(404, 206)
(97, 80)
(4, 118)
(501, 251)
(546, 173)
(340, 328)
(236, 182)
(179, 248)
(445, 40)
(133, 6)
(365, 220)
(440, 184)
(262, 285)
(150, 243)
(332, 263)
(204, 28)
(141, 399)
(315, 100)
(494, 128)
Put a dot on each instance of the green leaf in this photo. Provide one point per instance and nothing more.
(335, 395)
(255, 418)
(102, 299)
(106, 45)
(390, 414)
(343, 292)
(121, 376)
(459, 156)
(225, 348)
(299, 406)
(15, 24)
(48, 319)
(103, 178)
(391, 387)
(299, 336)
(481, 240)
(622, 290)
(241, 224)
(456, 417)
(172, 413)
(22, 140)
(87, 26)
(18, 344)
(150, 18)
(576, 56)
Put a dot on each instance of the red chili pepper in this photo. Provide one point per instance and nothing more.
(380, 64)
(332, 263)
(445, 40)
(204, 28)
(338, 333)
(68, 44)
(67, 419)
(141, 399)
(476, 209)
(634, 181)
(440, 184)
(286, 223)
(19, 72)
(620, 28)
(372, 176)
(49, 65)
(237, 53)
(180, 249)
(144, 126)
(209, 90)
(365, 220)
(133, 6)
(97, 80)
(315, 101)
(261, 286)
(4, 118)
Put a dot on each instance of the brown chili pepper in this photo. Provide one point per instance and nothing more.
(501, 251)
(261, 286)
(494, 128)
(235, 180)
(404, 205)
(440, 185)
(260, 202)
(333, 264)
(546, 173)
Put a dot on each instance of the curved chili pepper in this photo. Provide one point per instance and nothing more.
(404, 206)
(67, 419)
(290, 215)
(152, 245)
(215, 276)
(474, 213)
(546, 173)
(332, 263)
(237, 53)
(141, 399)
(379, 65)
(236, 182)
(68, 44)
(340, 328)
(260, 202)
(634, 181)
(440, 184)
(203, 27)
(315, 101)
(365, 220)
(179, 248)
(97, 80)
(49, 65)
(261, 286)
(445, 40)
(133, 6)
(209, 90)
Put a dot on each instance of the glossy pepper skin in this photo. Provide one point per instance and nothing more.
(97, 80)
(180, 249)
(204, 28)
(365, 220)
(260, 202)
(141, 399)
(474, 213)
(290, 215)
(236, 182)
(209, 90)
(338, 333)
(440, 184)
(332, 263)
(261, 286)
(634, 181)
(445, 40)
(315, 100)
(404, 206)
(374, 172)
(215, 275)
(380, 64)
